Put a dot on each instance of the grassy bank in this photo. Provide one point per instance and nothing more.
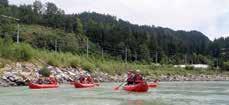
(12, 52)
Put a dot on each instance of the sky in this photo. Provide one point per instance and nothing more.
(211, 17)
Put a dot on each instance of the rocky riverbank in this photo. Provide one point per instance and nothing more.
(19, 74)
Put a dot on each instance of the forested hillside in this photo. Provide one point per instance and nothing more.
(101, 33)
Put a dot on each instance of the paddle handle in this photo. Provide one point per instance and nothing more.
(121, 84)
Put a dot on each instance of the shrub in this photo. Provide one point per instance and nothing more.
(2, 65)
(88, 66)
(53, 62)
(13, 51)
(23, 52)
(226, 65)
(45, 72)
(54, 59)
(75, 62)
(189, 67)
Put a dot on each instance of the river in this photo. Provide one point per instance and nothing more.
(168, 93)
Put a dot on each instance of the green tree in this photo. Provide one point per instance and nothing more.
(53, 15)
(7, 28)
(226, 65)
(79, 27)
(144, 52)
(26, 14)
(52, 9)
(37, 7)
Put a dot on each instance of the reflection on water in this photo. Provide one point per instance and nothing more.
(135, 102)
(168, 93)
(142, 102)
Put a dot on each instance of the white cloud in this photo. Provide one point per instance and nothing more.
(203, 15)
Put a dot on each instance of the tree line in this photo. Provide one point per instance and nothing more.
(141, 42)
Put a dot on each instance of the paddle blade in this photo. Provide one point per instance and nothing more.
(116, 88)
(152, 85)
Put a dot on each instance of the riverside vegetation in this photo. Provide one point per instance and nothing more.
(12, 52)
(22, 52)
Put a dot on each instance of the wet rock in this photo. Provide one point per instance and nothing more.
(3, 83)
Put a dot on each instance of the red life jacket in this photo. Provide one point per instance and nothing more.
(82, 79)
(130, 78)
(89, 79)
(53, 80)
(138, 78)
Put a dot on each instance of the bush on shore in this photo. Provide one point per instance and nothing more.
(226, 65)
(14, 51)
(45, 72)
(189, 67)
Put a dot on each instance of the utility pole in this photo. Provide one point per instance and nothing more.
(185, 59)
(18, 32)
(156, 55)
(87, 47)
(217, 63)
(45, 45)
(136, 55)
(102, 52)
(55, 45)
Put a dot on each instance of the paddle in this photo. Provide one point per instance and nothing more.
(153, 84)
(117, 87)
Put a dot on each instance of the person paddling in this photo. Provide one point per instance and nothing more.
(39, 81)
(156, 81)
(89, 79)
(138, 77)
(82, 78)
(52, 80)
(44, 80)
(130, 78)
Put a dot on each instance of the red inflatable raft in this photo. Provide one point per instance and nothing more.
(141, 87)
(152, 85)
(41, 86)
(80, 85)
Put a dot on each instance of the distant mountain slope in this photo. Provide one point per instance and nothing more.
(117, 33)
(107, 33)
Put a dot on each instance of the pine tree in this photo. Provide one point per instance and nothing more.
(79, 27)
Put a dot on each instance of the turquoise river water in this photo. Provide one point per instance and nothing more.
(168, 93)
